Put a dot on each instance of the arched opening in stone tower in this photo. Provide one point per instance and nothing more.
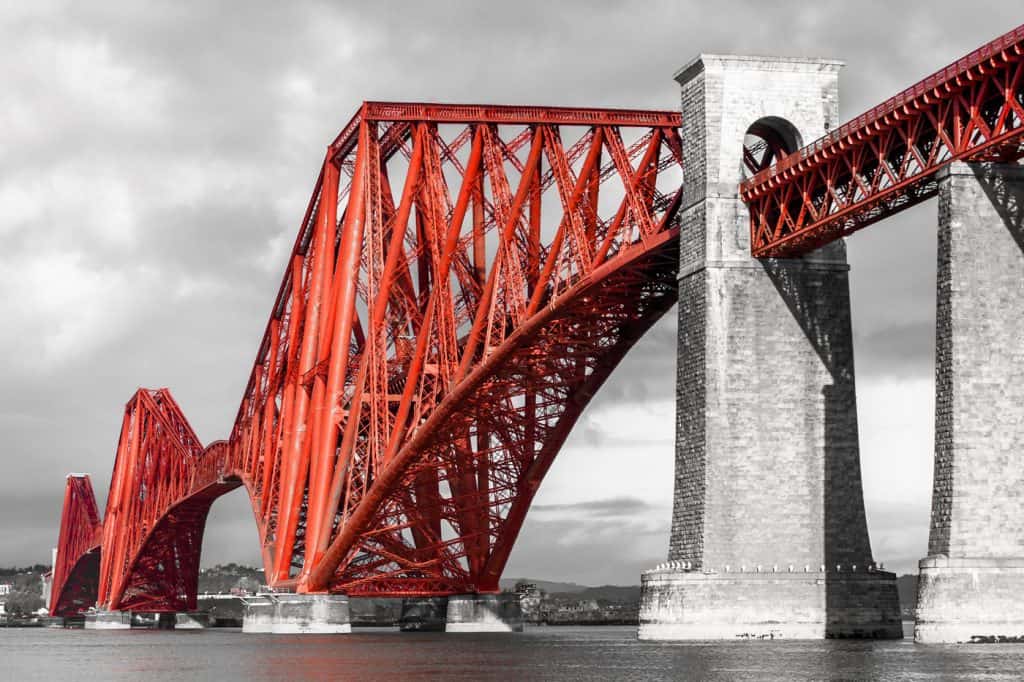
(767, 141)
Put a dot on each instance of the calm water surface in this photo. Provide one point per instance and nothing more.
(585, 653)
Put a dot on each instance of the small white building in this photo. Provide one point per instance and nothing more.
(5, 591)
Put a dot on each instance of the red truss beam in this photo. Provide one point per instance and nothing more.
(886, 159)
(76, 570)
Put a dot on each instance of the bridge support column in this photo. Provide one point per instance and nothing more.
(193, 620)
(315, 614)
(484, 613)
(769, 536)
(423, 614)
(972, 582)
(259, 615)
(108, 620)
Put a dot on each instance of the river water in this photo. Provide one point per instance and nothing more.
(542, 653)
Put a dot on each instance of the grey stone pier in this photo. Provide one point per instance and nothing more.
(769, 536)
(291, 614)
(972, 581)
(484, 613)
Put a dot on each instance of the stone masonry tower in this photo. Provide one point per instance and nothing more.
(972, 582)
(769, 537)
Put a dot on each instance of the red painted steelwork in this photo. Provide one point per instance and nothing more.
(887, 159)
(407, 398)
(76, 572)
(161, 488)
(464, 279)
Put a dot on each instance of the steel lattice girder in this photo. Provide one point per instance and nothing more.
(428, 352)
(154, 470)
(76, 570)
(386, 450)
(887, 159)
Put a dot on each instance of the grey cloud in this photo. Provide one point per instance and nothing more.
(900, 351)
(612, 506)
(899, 532)
(599, 551)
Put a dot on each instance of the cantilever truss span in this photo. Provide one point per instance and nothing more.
(888, 158)
(76, 571)
(463, 281)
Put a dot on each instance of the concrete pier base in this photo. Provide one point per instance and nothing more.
(195, 620)
(688, 605)
(484, 613)
(423, 614)
(970, 600)
(108, 620)
(317, 614)
(259, 615)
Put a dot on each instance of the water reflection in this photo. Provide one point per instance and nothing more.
(551, 653)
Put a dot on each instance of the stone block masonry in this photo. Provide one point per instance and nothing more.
(297, 614)
(972, 582)
(769, 605)
(108, 620)
(484, 613)
(767, 455)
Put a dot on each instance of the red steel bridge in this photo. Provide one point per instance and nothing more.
(464, 279)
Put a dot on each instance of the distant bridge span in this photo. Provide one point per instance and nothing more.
(465, 278)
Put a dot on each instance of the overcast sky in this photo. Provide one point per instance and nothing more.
(156, 159)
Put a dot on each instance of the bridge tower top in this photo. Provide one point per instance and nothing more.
(741, 113)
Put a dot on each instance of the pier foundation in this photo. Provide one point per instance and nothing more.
(484, 613)
(311, 614)
(812, 605)
(193, 620)
(108, 620)
(423, 614)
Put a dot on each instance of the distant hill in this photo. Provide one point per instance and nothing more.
(548, 586)
(611, 593)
